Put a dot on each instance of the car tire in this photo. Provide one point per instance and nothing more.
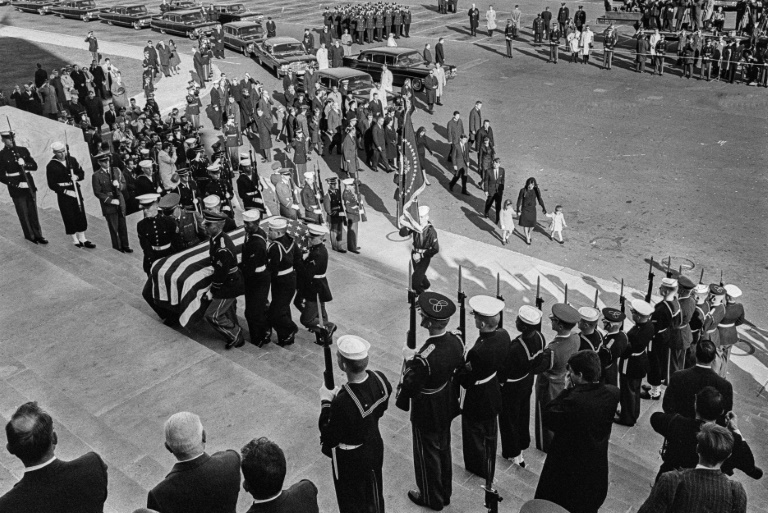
(191, 36)
(417, 85)
(136, 25)
(84, 17)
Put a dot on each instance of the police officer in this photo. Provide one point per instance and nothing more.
(425, 246)
(188, 229)
(479, 376)
(310, 200)
(315, 287)
(281, 254)
(667, 322)
(428, 385)
(249, 187)
(349, 428)
(334, 209)
(15, 165)
(256, 278)
(516, 379)
(734, 316)
(633, 364)
(614, 344)
(227, 281)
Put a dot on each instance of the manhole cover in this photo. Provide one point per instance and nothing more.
(395, 237)
(606, 243)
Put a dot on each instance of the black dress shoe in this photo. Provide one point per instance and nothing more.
(42, 240)
(416, 498)
(88, 244)
(240, 342)
(33, 241)
(355, 251)
(78, 244)
(127, 250)
(230, 344)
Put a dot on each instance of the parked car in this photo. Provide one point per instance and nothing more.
(227, 13)
(130, 15)
(241, 36)
(178, 5)
(283, 53)
(85, 10)
(351, 82)
(404, 63)
(189, 23)
(40, 7)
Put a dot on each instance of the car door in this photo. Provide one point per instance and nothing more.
(377, 61)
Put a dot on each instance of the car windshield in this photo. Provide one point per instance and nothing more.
(192, 17)
(254, 30)
(288, 48)
(357, 83)
(136, 9)
(86, 3)
(236, 8)
(410, 59)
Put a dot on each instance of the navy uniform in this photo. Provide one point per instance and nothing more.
(256, 278)
(226, 284)
(633, 364)
(667, 321)
(615, 342)
(592, 341)
(314, 281)
(334, 209)
(482, 399)
(350, 436)
(517, 377)
(249, 189)
(221, 187)
(187, 228)
(716, 314)
(687, 310)
(21, 186)
(155, 233)
(281, 254)
(428, 386)
(63, 180)
(698, 322)
(352, 210)
(425, 245)
(313, 213)
(734, 316)
(213, 203)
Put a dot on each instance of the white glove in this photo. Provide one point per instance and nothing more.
(328, 395)
(408, 353)
(115, 183)
(71, 194)
(206, 296)
(115, 201)
(295, 207)
(417, 257)
(194, 201)
(20, 161)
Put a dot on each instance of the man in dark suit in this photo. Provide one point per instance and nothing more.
(199, 482)
(263, 468)
(474, 20)
(152, 60)
(685, 384)
(460, 159)
(703, 488)
(50, 484)
(440, 52)
(493, 185)
(575, 473)
(379, 145)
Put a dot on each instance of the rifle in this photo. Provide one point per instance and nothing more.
(462, 311)
(499, 296)
(622, 299)
(721, 277)
(320, 191)
(596, 293)
(72, 174)
(23, 171)
(492, 497)
(360, 200)
(323, 340)
(701, 276)
(565, 296)
(403, 402)
(650, 282)
(669, 271)
(539, 299)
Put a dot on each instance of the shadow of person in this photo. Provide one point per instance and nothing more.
(440, 130)
(478, 220)
(542, 55)
(460, 30)
(492, 50)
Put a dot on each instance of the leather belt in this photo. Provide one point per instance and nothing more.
(23, 185)
(319, 276)
(64, 184)
(731, 325)
(260, 269)
(347, 447)
(161, 248)
(420, 251)
(485, 380)
(233, 270)
(12, 174)
(638, 354)
(430, 391)
(285, 271)
(515, 380)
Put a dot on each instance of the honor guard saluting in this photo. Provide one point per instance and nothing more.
(256, 278)
(15, 165)
(63, 173)
(316, 287)
(187, 191)
(155, 235)
(249, 187)
(349, 428)
(352, 211)
(734, 316)
(698, 321)
(310, 200)
(667, 322)
(551, 381)
(524, 356)
(427, 382)
(479, 376)
(227, 281)
(222, 188)
(188, 230)
(334, 209)
(425, 246)
(614, 344)
(108, 185)
(212, 203)
(687, 309)
(281, 254)
(716, 314)
(633, 364)
(590, 337)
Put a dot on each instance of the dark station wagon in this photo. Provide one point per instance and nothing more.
(85, 10)
(178, 5)
(351, 82)
(227, 13)
(40, 7)
(404, 63)
(189, 23)
(130, 15)
(242, 36)
(283, 53)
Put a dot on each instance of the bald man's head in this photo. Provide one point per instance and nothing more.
(30, 434)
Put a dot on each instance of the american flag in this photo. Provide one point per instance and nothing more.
(299, 233)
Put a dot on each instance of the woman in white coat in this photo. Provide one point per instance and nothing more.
(322, 57)
(440, 76)
(490, 20)
(386, 78)
(586, 41)
(573, 44)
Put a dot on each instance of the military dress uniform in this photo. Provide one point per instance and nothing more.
(525, 354)
(734, 316)
(313, 213)
(633, 365)
(155, 234)
(334, 209)
(280, 262)
(68, 193)
(687, 311)
(223, 189)
(21, 188)
(698, 323)
(667, 321)
(316, 286)
(102, 183)
(350, 436)
(352, 211)
(715, 316)
(226, 285)
(250, 194)
(187, 228)
(369, 26)
(426, 245)
(614, 346)
(257, 280)
(427, 384)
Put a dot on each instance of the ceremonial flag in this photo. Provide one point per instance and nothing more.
(413, 180)
(299, 232)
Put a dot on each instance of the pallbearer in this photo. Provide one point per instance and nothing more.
(427, 383)
(517, 384)
(281, 254)
(256, 278)
(349, 428)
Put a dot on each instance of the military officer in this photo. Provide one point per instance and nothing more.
(359, 28)
(379, 21)
(334, 209)
(590, 337)
(108, 185)
(187, 191)
(284, 192)
(428, 388)
(667, 322)
(370, 23)
(397, 23)
(407, 18)
(633, 364)
(15, 165)
(687, 310)
(479, 377)
(63, 173)
(734, 316)
(310, 199)
(614, 344)
(249, 187)
(281, 254)
(212, 203)
(349, 428)
(188, 227)
(425, 246)
(698, 321)
(352, 211)
(516, 378)
(256, 278)
(227, 281)
(315, 287)
(222, 188)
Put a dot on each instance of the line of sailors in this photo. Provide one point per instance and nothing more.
(369, 22)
